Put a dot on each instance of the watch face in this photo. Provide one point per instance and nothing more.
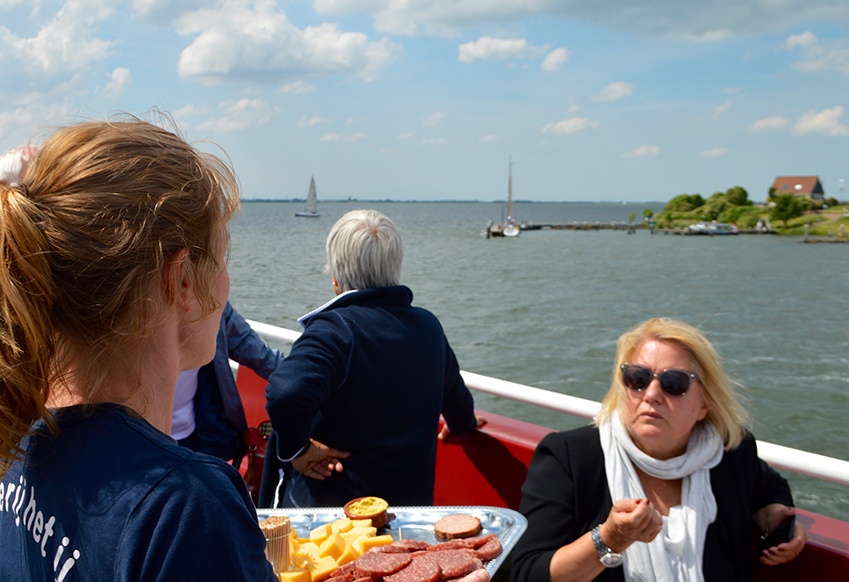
(611, 559)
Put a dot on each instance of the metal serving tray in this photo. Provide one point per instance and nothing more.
(416, 523)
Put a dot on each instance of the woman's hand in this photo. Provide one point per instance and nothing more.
(319, 461)
(768, 518)
(629, 521)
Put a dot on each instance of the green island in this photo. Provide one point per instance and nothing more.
(787, 213)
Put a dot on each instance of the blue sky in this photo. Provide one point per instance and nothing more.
(412, 99)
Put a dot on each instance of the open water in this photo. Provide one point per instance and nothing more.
(546, 309)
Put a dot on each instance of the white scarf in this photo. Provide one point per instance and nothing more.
(676, 553)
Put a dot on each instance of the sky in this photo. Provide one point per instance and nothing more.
(592, 100)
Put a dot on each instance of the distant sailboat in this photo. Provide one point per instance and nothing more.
(509, 228)
(310, 210)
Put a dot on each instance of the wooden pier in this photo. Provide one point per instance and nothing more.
(632, 228)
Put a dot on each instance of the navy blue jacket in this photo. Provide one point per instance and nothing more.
(109, 497)
(371, 375)
(219, 417)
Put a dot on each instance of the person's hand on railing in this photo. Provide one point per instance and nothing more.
(445, 431)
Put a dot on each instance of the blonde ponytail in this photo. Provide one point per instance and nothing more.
(26, 334)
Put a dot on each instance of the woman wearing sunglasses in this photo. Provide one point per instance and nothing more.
(666, 486)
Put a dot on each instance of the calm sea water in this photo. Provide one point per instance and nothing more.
(546, 309)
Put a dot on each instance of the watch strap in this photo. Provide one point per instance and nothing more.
(598, 542)
(606, 556)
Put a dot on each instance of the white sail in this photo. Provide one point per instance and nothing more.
(311, 208)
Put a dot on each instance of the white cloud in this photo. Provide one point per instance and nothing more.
(298, 87)
(238, 115)
(614, 92)
(555, 60)
(826, 122)
(719, 110)
(433, 141)
(714, 153)
(801, 40)
(434, 119)
(258, 42)
(644, 151)
(488, 48)
(406, 135)
(191, 110)
(66, 49)
(165, 11)
(118, 82)
(11, 120)
(692, 21)
(338, 137)
(310, 121)
(769, 123)
(570, 126)
(489, 138)
(819, 55)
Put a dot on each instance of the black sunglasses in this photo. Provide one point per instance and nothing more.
(672, 381)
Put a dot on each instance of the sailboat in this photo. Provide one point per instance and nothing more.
(310, 210)
(509, 228)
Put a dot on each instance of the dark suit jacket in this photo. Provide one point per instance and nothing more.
(219, 417)
(370, 375)
(565, 495)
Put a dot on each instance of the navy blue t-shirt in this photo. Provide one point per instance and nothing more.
(109, 497)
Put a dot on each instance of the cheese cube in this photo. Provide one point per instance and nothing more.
(333, 546)
(364, 543)
(361, 522)
(297, 575)
(322, 568)
(320, 533)
(356, 532)
(349, 555)
(342, 524)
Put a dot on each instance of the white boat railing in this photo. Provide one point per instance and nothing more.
(781, 457)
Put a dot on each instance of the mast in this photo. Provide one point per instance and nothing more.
(510, 188)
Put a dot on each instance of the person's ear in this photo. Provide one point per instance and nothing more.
(178, 287)
(336, 288)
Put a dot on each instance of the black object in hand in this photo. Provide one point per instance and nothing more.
(783, 532)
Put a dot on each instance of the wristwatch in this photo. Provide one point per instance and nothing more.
(606, 556)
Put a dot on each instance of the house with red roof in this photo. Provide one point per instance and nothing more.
(809, 186)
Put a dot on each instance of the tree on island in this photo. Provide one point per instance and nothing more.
(732, 206)
(787, 207)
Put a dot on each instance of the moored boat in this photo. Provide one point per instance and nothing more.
(509, 228)
(712, 228)
(487, 467)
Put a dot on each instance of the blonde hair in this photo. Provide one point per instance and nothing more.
(364, 251)
(724, 410)
(84, 238)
